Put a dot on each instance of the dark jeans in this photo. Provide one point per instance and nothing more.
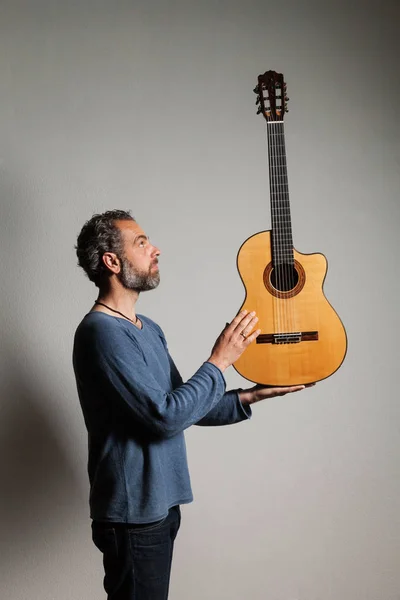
(137, 558)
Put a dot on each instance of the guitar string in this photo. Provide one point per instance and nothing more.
(292, 300)
(285, 279)
(277, 239)
(278, 248)
(276, 233)
(288, 247)
(269, 158)
(274, 249)
(281, 217)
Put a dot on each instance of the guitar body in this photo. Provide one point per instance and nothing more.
(302, 339)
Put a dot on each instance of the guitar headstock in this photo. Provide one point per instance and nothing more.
(271, 96)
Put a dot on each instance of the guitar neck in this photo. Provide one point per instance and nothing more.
(282, 241)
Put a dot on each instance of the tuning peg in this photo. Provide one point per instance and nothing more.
(258, 100)
(286, 109)
(286, 99)
(259, 110)
(256, 89)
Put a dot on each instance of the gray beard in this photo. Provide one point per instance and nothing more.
(131, 279)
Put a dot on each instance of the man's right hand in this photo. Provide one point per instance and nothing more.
(234, 339)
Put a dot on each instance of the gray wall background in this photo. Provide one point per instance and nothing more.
(149, 106)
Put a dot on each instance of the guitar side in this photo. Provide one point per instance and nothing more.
(302, 338)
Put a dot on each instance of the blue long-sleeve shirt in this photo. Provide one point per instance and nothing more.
(136, 408)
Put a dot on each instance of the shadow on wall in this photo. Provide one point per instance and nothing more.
(38, 487)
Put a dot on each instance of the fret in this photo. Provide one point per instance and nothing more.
(282, 259)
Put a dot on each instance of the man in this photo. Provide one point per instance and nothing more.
(136, 408)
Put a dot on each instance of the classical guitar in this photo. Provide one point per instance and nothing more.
(302, 339)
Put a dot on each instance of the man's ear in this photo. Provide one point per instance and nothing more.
(111, 262)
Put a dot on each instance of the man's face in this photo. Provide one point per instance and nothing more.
(139, 270)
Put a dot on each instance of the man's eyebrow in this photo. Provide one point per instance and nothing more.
(141, 237)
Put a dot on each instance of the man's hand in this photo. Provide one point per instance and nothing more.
(234, 339)
(260, 392)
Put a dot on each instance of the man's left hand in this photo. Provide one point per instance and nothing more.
(261, 392)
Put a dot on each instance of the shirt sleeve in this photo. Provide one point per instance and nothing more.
(121, 372)
(228, 411)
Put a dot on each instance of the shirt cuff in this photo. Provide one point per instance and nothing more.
(215, 367)
(246, 408)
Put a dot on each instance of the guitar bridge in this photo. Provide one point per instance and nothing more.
(287, 338)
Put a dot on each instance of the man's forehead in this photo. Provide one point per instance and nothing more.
(130, 229)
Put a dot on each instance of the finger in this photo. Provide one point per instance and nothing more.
(291, 388)
(249, 328)
(281, 391)
(233, 324)
(245, 322)
(252, 337)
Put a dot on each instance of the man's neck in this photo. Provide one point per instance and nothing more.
(121, 300)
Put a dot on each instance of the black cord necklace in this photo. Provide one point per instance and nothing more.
(117, 311)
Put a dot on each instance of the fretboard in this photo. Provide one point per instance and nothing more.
(282, 241)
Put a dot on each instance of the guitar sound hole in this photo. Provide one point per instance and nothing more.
(284, 277)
